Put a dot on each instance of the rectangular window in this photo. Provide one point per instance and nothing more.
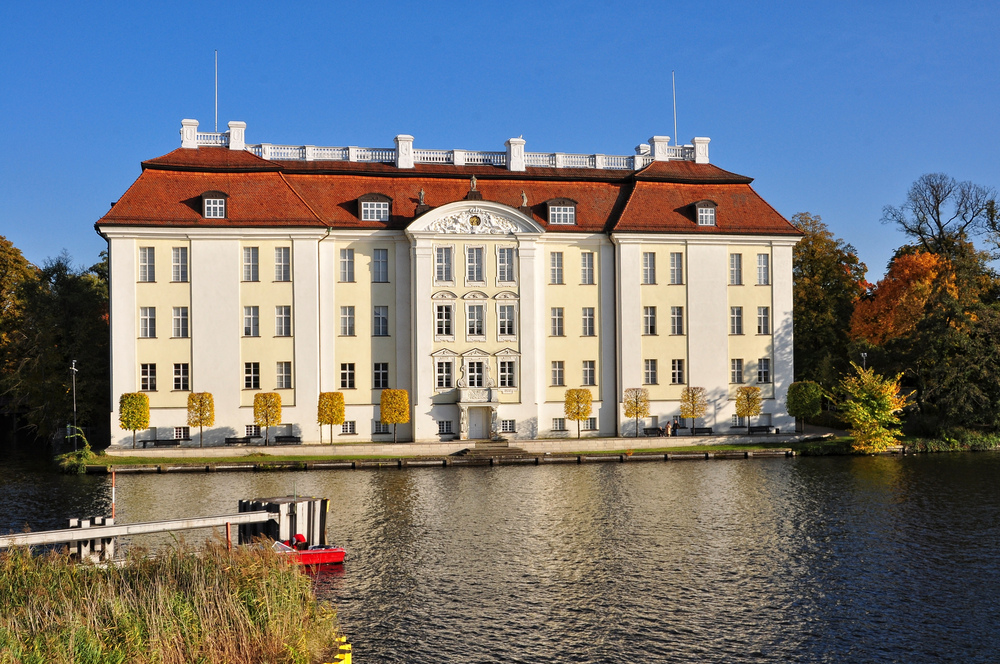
(677, 372)
(706, 216)
(763, 270)
(735, 269)
(380, 321)
(215, 208)
(349, 427)
(347, 376)
(475, 317)
(676, 267)
(590, 424)
(475, 374)
(379, 427)
(649, 320)
(147, 322)
(251, 322)
(588, 322)
(380, 376)
(147, 377)
(347, 265)
(283, 264)
(182, 433)
(251, 375)
(736, 371)
(442, 264)
(763, 320)
(283, 321)
(147, 264)
(251, 264)
(283, 376)
(380, 266)
(374, 211)
(507, 373)
(556, 267)
(508, 426)
(252, 431)
(648, 267)
(474, 264)
(764, 370)
(182, 380)
(557, 373)
(505, 264)
(179, 270)
(562, 214)
(739, 421)
(347, 321)
(444, 373)
(735, 320)
(505, 321)
(587, 267)
(649, 373)
(589, 372)
(557, 321)
(558, 423)
(444, 319)
(676, 320)
(180, 322)
(444, 427)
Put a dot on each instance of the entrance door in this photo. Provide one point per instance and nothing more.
(478, 426)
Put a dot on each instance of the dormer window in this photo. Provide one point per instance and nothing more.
(213, 205)
(375, 207)
(562, 211)
(706, 213)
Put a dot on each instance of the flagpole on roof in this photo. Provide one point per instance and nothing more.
(217, 92)
(673, 85)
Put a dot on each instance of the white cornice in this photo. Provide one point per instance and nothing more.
(683, 238)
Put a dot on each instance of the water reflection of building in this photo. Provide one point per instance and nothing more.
(484, 283)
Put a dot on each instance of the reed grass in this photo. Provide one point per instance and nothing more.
(211, 605)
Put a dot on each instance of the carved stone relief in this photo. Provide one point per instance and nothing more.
(474, 221)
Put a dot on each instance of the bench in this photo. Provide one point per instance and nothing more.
(240, 440)
(167, 442)
(654, 431)
(760, 429)
(701, 431)
(287, 440)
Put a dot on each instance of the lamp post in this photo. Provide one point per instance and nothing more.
(73, 369)
(864, 361)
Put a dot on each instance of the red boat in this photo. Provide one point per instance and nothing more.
(313, 555)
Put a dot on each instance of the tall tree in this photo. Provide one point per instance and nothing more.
(201, 413)
(15, 275)
(694, 403)
(940, 212)
(828, 278)
(872, 408)
(748, 403)
(578, 406)
(267, 411)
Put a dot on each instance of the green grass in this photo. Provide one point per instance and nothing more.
(213, 605)
(107, 460)
(832, 446)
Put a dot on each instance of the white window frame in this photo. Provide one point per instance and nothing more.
(475, 321)
(179, 264)
(444, 374)
(559, 424)
(374, 210)
(649, 321)
(349, 428)
(556, 318)
(445, 427)
(475, 265)
(475, 373)
(282, 263)
(555, 268)
(347, 266)
(736, 376)
(283, 375)
(379, 428)
(283, 320)
(347, 321)
(677, 320)
(735, 320)
(147, 322)
(589, 424)
(347, 376)
(648, 267)
(181, 329)
(763, 370)
(182, 377)
(587, 268)
(676, 372)
(251, 321)
(589, 373)
(507, 372)
(676, 267)
(380, 320)
(588, 322)
(506, 321)
(147, 264)
(763, 270)
(252, 431)
(706, 216)
(735, 269)
(147, 377)
(444, 322)
(508, 426)
(380, 266)
(444, 265)
(214, 208)
(763, 320)
(182, 433)
(558, 373)
(251, 375)
(251, 263)
(650, 373)
(562, 215)
(380, 375)
(506, 274)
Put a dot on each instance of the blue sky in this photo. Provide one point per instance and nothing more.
(834, 108)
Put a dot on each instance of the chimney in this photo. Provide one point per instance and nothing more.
(661, 148)
(189, 134)
(701, 149)
(404, 151)
(515, 154)
(237, 135)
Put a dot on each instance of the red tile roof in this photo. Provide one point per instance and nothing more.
(657, 198)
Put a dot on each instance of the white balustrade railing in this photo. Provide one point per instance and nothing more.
(472, 157)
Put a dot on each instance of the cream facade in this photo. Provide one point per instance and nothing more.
(485, 311)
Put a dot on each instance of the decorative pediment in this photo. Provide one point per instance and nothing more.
(475, 218)
(508, 352)
(475, 352)
(443, 295)
(475, 295)
(444, 352)
(506, 295)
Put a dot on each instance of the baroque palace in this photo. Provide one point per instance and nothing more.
(486, 284)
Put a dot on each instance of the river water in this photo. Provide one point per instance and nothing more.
(837, 559)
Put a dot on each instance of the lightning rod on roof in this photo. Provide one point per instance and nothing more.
(673, 85)
(217, 91)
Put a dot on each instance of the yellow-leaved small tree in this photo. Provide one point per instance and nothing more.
(578, 406)
(266, 411)
(694, 403)
(873, 402)
(133, 412)
(330, 410)
(636, 400)
(748, 403)
(201, 413)
(394, 408)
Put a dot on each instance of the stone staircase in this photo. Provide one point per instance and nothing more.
(486, 449)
